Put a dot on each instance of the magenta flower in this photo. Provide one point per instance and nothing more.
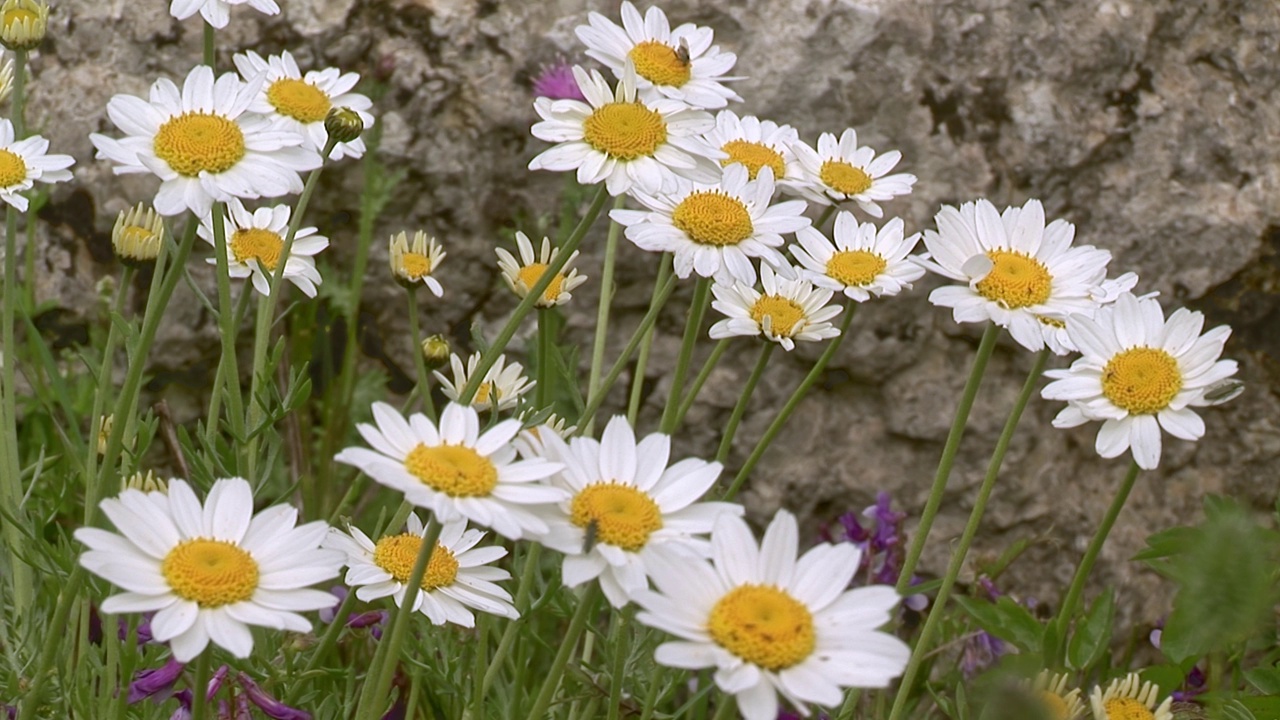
(556, 81)
(270, 707)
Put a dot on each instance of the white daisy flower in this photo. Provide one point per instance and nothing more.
(787, 310)
(679, 64)
(1016, 269)
(523, 274)
(502, 388)
(1128, 698)
(454, 470)
(624, 141)
(256, 240)
(457, 577)
(218, 12)
(626, 505)
(1054, 327)
(756, 143)
(862, 263)
(1057, 702)
(414, 263)
(23, 162)
(840, 170)
(769, 623)
(715, 229)
(209, 571)
(203, 144)
(302, 102)
(1140, 373)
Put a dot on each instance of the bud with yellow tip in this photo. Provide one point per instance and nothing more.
(138, 235)
(23, 23)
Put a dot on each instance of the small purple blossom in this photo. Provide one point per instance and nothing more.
(879, 533)
(1195, 684)
(155, 683)
(271, 707)
(980, 652)
(556, 81)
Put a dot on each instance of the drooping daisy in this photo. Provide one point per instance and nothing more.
(1140, 373)
(627, 505)
(1016, 269)
(302, 102)
(715, 229)
(621, 140)
(680, 64)
(218, 12)
(1058, 703)
(454, 470)
(413, 264)
(23, 162)
(456, 579)
(769, 623)
(839, 170)
(787, 310)
(209, 571)
(862, 262)
(755, 143)
(255, 241)
(521, 275)
(203, 144)
(503, 385)
(1128, 698)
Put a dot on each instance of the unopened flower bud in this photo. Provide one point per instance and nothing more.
(147, 483)
(104, 432)
(343, 124)
(23, 23)
(435, 350)
(138, 235)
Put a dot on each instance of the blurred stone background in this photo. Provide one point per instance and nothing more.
(1153, 125)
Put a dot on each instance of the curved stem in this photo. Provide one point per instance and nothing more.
(920, 651)
(739, 409)
(701, 378)
(642, 359)
(577, 624)
(985, 348)
(602, 310)
(102, 396)
(419, 362)
(527, 303)
(1076, 588)
(542, 391)
(692, 328)
(792, 403)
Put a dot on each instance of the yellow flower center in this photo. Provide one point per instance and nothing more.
(1055, 707)
(710, 217)
(415, 266)
(299, 100)
(257, 244)
(13, 169)
(483, 394)
(660, 64)
(1016, 280)
(754, 156)
(855, 267)
(1142, 380)
(455, 470)
(19, 15)
(623, 516)
(783, 313)
(193, 143)
(530, 275)
(136, 235)
(210, 573)
(625, 131)
(764, 626)
(845, 178)
(397, 554)
(1127, 709)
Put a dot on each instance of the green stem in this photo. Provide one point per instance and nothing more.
(642, 360)
(212, 425)
(527, 576)
(567, 644)
(698, 381)
(618, 646)
(105, 385)
(228, 363)
(826, 215)
(210, 55)
(651, 696)
(602, 310)
(933, 622)
(527, 303)
(374, 698)
(985, 348)
(542, 391)
(692, 329)
(740, 408)
(18, 100)
(792, 403)
(645, 323)
(199, 692)
(419, 362)
(725, 708)
(1076, 588)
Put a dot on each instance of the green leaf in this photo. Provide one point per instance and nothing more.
(1263, 706)
(1265, 679)
(1234, 710)
(1093, 636)
(1007, 620)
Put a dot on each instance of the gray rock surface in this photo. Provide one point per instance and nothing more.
(1152, 125)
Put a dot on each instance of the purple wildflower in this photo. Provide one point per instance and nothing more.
(1195, 684)
(556, 81)
(878, 531)
(11, 712)
(156, 683)
(271, 707)
(328, 614)
(981, 651)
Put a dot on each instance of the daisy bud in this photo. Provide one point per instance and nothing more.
(413, 264)
(343, 124)
(23, 23)
(104, 432)
(435, 350)
(146, 482)
(137, 236)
